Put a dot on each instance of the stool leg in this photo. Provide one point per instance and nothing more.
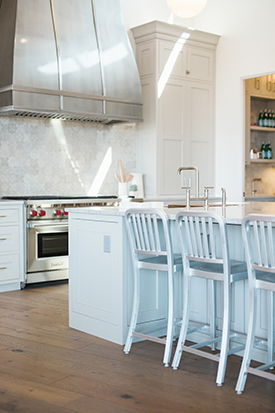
(212, 310)
(170, 321)
(249, 341)
(185, 320)
(134, 316)
(225, 332)
(270, 320)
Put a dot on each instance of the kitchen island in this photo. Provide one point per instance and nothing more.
(101, 275)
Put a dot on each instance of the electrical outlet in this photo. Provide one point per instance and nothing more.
(107, 243)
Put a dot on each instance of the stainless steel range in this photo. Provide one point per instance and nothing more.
(46, 233)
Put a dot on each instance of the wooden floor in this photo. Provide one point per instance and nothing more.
(47, 367)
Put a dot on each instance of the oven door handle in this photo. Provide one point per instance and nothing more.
(29, 225)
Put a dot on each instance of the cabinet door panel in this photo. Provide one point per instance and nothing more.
(172, 58)
(200, 64)
(201, 130)
(172, 137)
(9, 238)
(172, 105)
(256, 86)
(145, 60)
(9, 268)
(95, 289)
(172, 160)
(9, 216)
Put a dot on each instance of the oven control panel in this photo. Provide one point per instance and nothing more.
(44, 212)
(59, 211)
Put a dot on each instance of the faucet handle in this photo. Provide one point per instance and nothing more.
(206, 190)
(223, 197)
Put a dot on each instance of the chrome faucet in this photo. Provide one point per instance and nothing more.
(204, 198)
(191, 168)
(253, 189)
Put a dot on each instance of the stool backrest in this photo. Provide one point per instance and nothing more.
(258, 235)
(201, 235)
(148, 231)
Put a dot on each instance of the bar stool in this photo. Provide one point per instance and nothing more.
(149, 237)
(201, 235)
(258, 235)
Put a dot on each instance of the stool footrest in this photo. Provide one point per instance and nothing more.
(201, 353)
(150, 338)
(261, 373)
(206, 342)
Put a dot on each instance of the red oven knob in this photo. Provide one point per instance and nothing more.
(57, 212)
(42, 213)
(33, 213)
(65, 212)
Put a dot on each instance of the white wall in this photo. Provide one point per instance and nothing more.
(245, 50)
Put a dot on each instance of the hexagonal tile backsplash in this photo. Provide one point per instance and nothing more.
(50, 157)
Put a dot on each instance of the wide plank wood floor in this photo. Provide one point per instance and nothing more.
(45, 366)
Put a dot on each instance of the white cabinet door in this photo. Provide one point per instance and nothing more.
(172, 59)
(9, 238)
(11, 247)
(9, 268)
(186, 133)
(172, 140)
(177, 59)
(95, 266)
(101, 281)
(200, 64)
(200, 131)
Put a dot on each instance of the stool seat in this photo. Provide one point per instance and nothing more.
(237, 270)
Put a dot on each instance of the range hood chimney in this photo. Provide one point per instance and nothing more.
(67, 59)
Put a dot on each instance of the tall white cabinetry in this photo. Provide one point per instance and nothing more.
(11, 247)
(177, 71)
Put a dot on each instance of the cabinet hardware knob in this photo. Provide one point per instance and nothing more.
(3, 216)
(187, 72)
(3, 268)
(3, 239)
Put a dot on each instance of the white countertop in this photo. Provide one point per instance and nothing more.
(233, 214)
(11, 202)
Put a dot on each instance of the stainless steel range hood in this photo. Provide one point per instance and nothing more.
(67, 59)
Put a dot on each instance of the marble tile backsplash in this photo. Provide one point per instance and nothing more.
(50, 157)
(267, 175)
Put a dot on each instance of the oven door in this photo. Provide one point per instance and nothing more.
(47, 246)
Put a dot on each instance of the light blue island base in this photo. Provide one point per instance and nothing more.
(101, 277)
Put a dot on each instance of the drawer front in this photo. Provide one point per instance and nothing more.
(10, 215)
(9, 238)
(9, 268)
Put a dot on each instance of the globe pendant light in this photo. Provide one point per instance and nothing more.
(186, 8)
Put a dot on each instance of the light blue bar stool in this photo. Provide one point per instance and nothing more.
(205, 254)
(150, 243)
(258, 234)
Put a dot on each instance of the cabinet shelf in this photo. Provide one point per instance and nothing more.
(262, 128)
(263, 161)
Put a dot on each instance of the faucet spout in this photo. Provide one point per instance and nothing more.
(253, 189)
(191, 168)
